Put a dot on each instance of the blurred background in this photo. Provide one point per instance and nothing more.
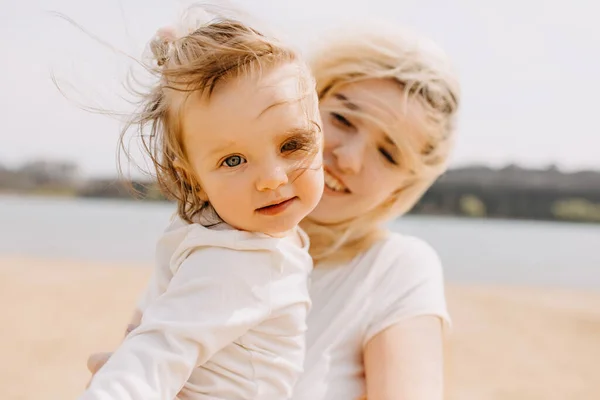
(515, 220)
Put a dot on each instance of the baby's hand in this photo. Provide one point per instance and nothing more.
(97, 360)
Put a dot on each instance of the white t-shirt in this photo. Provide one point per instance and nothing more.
(224, 317)
(399, 278)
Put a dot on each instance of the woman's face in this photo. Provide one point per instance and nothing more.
(363, 166)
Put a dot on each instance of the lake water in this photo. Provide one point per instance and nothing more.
(488, 251)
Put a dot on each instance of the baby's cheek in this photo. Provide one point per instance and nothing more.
(231, 196)
(222, 196)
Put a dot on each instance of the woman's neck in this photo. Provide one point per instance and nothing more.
(339, 244)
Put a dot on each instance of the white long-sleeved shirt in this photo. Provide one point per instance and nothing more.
(224, 318)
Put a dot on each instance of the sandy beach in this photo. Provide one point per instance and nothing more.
(506, 343)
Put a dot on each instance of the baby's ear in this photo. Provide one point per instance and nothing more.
(185, 174)
(178, 164)
(202, 194)
(182, 172)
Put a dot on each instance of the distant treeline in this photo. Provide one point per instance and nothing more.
(514, 192)
(483, 192)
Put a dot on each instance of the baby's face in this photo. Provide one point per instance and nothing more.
(255, 147)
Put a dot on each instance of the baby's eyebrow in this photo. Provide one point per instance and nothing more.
(221, 147)
(301, 131)
(281, 102)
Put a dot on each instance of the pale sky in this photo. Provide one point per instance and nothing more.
(530, 71)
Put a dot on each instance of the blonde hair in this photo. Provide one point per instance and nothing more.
(208, 52)
(425, 75)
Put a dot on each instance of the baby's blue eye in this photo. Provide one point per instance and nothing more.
(233, 161)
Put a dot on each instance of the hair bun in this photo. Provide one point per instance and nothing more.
(161, 44)
(192, 19)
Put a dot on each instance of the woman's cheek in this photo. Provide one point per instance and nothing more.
(331, 135)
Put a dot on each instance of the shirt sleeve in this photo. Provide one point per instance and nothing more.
(162, 274)
(215, 296)
(411, 285)
(157, 284)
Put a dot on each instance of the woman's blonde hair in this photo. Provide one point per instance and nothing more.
(426, 77)
(206, 51)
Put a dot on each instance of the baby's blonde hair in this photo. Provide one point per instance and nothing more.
(210, 51)
(425, 75)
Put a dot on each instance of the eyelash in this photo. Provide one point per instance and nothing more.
(341, 120)
(242, 161)
(387, 156)
(297, 142)
(300, 141)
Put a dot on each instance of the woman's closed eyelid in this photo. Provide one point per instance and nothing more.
(340, 119)
(388, 156)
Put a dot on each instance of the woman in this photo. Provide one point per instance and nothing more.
(389, 102)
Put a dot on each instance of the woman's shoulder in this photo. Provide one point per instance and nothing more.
(408, 280)
(399, 251)
(397, 264)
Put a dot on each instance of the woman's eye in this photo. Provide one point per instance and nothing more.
(233, 161)
(340, 119)
(388, 156)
